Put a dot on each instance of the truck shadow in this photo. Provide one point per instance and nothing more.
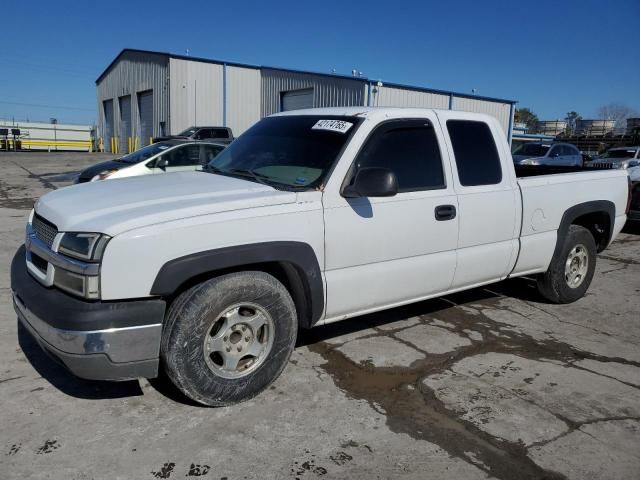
(60, 378)
(520, 288)
(632, 228)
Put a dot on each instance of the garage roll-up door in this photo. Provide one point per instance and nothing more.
(107, 107)
(297, 99)
(125, 124)
(145, 109)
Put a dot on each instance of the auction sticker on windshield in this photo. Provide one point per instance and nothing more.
(339, 126)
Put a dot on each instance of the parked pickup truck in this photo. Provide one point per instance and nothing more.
(309, 217)
(217, 134)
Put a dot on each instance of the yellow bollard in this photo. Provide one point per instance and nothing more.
(150, 140)
(135, 144)
(128, 144)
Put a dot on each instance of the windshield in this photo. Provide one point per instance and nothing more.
(294, 151)
(188, 132)
(532, 150)
(619, 154)
(145, 153)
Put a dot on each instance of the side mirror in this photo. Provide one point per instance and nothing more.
(162, 163)
(372, 182)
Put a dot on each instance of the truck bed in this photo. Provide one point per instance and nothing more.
(548, 192)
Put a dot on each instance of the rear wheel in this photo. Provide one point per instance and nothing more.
(571, 269)
(227, 339)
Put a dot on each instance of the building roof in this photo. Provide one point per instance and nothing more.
(364, 80)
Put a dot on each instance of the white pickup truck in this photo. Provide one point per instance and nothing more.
(308, 218)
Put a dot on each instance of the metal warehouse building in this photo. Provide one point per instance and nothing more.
(143, 94)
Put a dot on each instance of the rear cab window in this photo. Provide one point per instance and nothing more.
(476, 155)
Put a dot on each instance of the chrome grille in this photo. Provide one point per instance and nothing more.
(45, 231)
(601, 165)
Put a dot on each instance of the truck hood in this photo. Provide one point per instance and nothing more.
(119, 205)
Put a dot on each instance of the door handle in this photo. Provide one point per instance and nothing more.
(445, 212)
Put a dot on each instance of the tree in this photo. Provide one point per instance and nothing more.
(572, 120)
(526, 116)
(618, 113)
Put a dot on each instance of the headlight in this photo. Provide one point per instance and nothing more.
(103, 175)
(81, 285)
(530, 161)
(84, 246)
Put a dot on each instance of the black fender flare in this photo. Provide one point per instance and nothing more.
(291, 254)
(571, 214)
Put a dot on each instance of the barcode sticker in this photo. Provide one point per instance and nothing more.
(339, 126)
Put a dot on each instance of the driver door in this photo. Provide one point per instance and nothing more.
(392, 250)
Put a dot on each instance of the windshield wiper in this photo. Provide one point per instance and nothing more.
(258, 177)
(245, 172)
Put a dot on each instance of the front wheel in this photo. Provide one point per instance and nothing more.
(572, 267)
(228, 338)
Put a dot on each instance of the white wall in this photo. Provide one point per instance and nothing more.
(195, 94)
(243, 98)
(400, 97)
(501, 111)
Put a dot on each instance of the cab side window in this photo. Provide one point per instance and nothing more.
(209, 152)
(475, 153)
(219, 133)
(555, 152)
(184, 156)
(409, 148)
(204, 133)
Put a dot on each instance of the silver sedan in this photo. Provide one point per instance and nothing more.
(541, 153)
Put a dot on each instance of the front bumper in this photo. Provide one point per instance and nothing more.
(94, 340)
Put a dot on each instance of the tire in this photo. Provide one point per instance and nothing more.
(560, 284)
(204, 335)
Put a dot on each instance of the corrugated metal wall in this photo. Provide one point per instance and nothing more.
(243, 98)
(328, 91)
(190, 92)
(135, 72)
(195, 94)
(401, 97)
(499, 110)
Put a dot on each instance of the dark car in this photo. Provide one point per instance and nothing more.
(216, 134)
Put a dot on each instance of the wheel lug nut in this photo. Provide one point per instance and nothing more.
(228, 349)
(226, 339)
(239, 349)
(246, 339)
(244, 328)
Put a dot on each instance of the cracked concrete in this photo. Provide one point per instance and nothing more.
(490, 383)
(432, 339)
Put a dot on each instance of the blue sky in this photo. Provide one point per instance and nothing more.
(550, 56)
